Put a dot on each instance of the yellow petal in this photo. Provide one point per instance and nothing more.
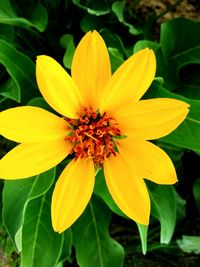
(152, 118)
(32, 124)
(91, 68)
(148, 160)
(26, 160)
(72, 193)
(57, 87)
(127, 189)
(130, 81)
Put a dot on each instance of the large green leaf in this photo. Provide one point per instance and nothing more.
(94, 246)
(191, 90)
(187, 135)
(22, 71)
(6, 32)
(190, 81)
(164, 208)
(41, 246)
(177, 38)
(181, 207)
(180, 44)
(16, 195)
(67, 246)
(37, 18)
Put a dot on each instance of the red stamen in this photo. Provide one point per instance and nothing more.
(92, 136)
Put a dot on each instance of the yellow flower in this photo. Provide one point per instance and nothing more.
(102, 124)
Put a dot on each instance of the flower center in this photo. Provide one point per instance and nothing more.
(93, 135)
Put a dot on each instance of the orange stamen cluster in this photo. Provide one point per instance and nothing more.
(92, 136)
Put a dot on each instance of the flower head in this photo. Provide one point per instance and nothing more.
(102, 124)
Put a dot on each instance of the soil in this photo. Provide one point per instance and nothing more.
(169, 9)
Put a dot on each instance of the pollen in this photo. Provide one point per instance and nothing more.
(93, 135)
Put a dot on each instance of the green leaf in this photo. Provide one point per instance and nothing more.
(93, 245)
(164, 208)
(9, 89)
(196, 193)
(91, 22)
(181, 207)
(101, 190)
(118, 9)
(116, 49)
(143, 230)
(41, 246)
(37, 18)
(16, 195)
(67, 245)
(187, 135)
(116, 58)
(22, 72)
(68, 41)
(177, 37)
(142, 44)
(189, 244)
(40, 102)
(190, 82)
(97, 8)
(113, 41)
(6, 32)
(179, 43)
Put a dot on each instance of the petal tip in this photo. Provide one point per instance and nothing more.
(40, 57)
(57, 228)
(95, 33)
(185, 107)
(44, 57)
(143, 219)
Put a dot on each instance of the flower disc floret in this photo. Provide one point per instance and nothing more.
(93, 135)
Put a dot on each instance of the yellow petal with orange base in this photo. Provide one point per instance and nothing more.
(130, 81)
(57, 87)
(32, 124)
(148, 160)
(72, 193)
(91, 68)
(151, 119)
(127, 189)
(27, 160)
